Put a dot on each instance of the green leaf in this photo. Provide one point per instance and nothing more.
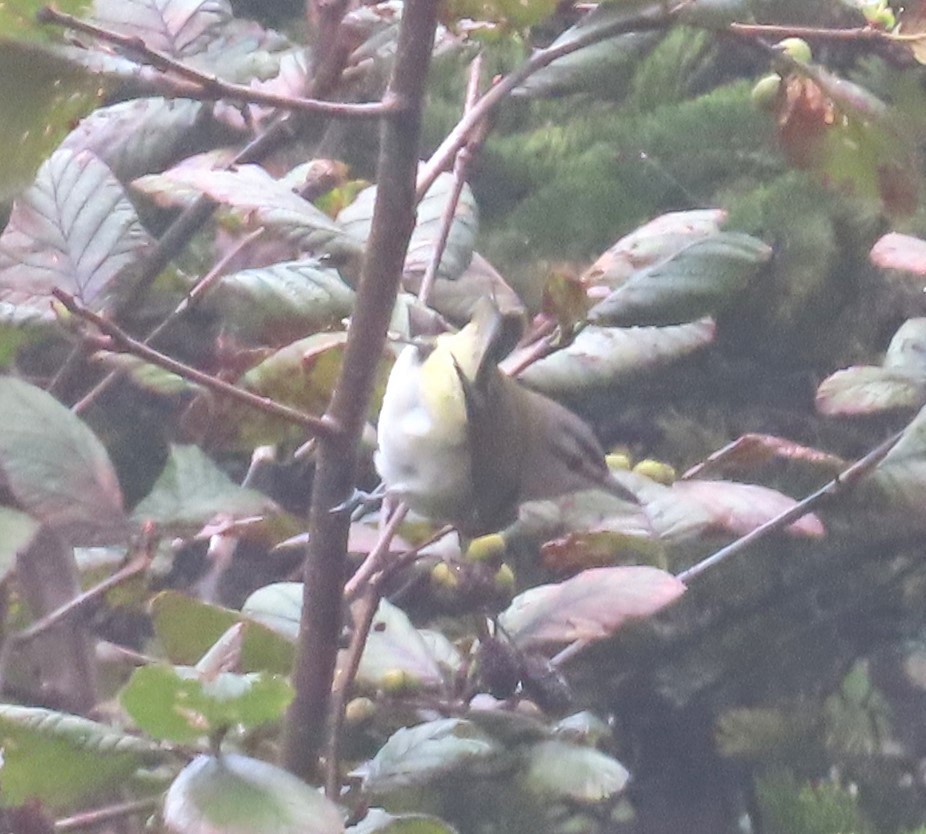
(589, 606)
(702, 279)
(187, 629)
(602, 63)
(236, 794)
(395, 644)
(56, 468)
(588, 529)
(192, 489)
(652, 243)
(419, 755)
(18, 18)
(557, 770)
(277, 606)
(603, 357)
(63, 760)
(139, 136)
(72, 229)
(377, 821)
(864, 389)
(41, 96)
(358, 216)
(180, 704)
(250, 193)
(277, 304)
(16, 531)
(907, 350)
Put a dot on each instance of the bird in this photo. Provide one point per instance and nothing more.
(460, 442)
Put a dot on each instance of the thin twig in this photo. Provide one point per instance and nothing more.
(441, 158)
(122, 342)
(861, 33)
(213, 88)
(110, 813)
(847, 479)
(79, 603)
(374, 559)
(197, 291)
(363, 622)
(460, 165)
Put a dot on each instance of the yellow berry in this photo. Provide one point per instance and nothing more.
(504, 578)
(656, 470)
(443, 576)
(397, 681)
(796, 48)
(486, 548)
(359, 711)
(765, 93)
(618, 460)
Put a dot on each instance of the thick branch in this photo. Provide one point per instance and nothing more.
(393, 221)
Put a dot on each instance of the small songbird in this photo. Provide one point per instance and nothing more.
(461, 442)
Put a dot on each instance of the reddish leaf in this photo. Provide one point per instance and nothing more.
(897, 251)
(590, 606)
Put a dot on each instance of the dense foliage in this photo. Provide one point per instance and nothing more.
(708, 214)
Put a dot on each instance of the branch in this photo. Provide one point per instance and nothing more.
(460, 165)
(205, 87)
(861, 33)
(326, 561)
(441, 158)
(123, 343)
(844, 481)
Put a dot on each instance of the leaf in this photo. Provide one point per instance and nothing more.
(277, 606)
(16, 532)
(899, 481)
(19, 19)
(702, 279)
(505, 14)
(187, 629)
(864, 389)
(652, 243)
(179, 28)
(56, 468)
(277, 304)
(179, 704)
(897, 251)
(257, 198)
(41, 96)
(63, 760)
(557, 770)
(395, 644)
(377, 821)
(587, 68)
(697, 510)
(235, 794)
(414, 756)
(139, 136)
(357, 218)
(192, 489)
(907, 350)
(74, 229)
(603, 357)
(589, 606)
(850, 140)
(591, 528)
(149, 377)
